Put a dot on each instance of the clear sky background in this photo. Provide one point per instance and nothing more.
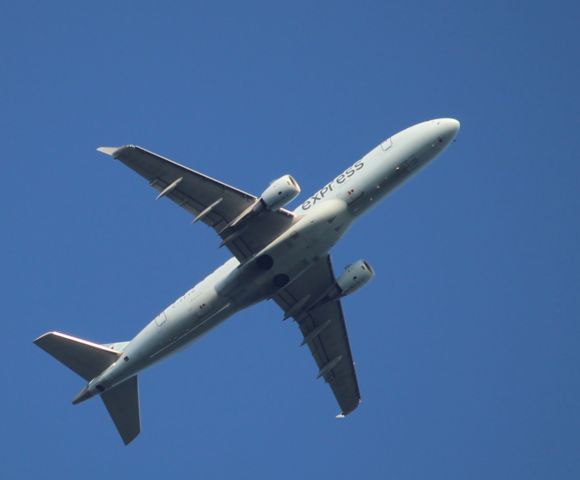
(466, 342)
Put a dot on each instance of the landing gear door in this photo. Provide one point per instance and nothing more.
(355, 200)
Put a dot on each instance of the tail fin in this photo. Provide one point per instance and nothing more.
(85, 358)
(88, 360)
(122, 402)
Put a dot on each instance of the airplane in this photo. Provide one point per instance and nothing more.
(277, 254)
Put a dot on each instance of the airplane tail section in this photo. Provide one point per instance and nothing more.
(122, 403)
(85, 358)
(88, 360)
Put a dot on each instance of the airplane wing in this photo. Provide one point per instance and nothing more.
(324, 330)
(208, 200)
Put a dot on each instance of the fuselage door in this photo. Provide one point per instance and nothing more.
(160, 319)
(388, 143)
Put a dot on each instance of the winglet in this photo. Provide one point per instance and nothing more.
(108, 150)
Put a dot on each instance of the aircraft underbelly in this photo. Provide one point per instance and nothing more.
(287, 257)
(216, 299)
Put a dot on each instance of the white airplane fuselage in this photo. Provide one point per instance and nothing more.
(320, 223)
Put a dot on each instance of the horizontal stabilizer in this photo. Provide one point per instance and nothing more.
(85, 358)
(122, 402)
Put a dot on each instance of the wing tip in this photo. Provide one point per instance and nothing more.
(39, 340)
(344, 413)
(128, 438)
(115, 152)
(108, 150)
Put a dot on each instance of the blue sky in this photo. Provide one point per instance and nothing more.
(466, 342)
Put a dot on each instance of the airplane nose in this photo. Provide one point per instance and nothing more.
(447, 129)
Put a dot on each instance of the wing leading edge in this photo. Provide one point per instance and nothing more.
(324, 330)
(208, 200)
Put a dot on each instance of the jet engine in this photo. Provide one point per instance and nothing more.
(354, 276)
(280, 192)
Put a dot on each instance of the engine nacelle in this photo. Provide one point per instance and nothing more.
(354, 277)
(280, 192)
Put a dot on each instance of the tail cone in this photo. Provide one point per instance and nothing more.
(83, 395)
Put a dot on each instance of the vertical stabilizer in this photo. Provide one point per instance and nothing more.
(122, 402)
(90, 359)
